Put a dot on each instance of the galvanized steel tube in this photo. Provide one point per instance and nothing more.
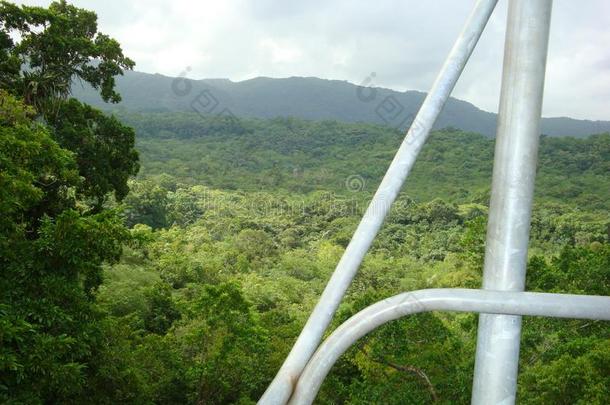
(462, 300)
(516, 152)
(281, 387)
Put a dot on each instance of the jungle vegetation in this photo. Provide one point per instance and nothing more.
(173, 258)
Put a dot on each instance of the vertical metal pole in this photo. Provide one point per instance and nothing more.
(497, 357)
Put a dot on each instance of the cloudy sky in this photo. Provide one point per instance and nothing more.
(404, 42)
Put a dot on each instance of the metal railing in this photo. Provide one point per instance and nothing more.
(502, 301)
(449, 299)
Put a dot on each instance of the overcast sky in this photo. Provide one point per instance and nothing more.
(403, 41)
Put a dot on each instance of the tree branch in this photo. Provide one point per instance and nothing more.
(406, 368)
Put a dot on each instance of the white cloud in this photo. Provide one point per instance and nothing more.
(404, 42)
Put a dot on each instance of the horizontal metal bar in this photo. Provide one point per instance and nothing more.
(282, 385)
(451, 299)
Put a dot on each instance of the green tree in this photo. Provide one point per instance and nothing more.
(36, 176)
(50, 263)
(56, 46)
(146, 204)
(160, 310)
(58, 159)
(225, 347)
(104, 149)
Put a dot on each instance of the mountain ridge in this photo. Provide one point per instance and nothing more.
(309, 98)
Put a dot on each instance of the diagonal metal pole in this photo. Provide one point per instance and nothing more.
(282, 385)
(516, 152)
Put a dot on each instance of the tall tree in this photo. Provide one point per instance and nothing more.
(56, 46)
(59, 160)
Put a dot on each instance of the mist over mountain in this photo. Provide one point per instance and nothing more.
(308, 98)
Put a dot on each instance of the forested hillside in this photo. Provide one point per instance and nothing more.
(290, 155)
(172, 258)
(307, 98)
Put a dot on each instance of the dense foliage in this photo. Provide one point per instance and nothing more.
(290, 155)
(59, 162)
(267, 207)
(276, 251)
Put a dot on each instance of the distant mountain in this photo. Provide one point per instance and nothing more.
(307, 98)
